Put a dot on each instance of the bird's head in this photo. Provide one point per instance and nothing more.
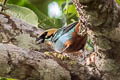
(45, 35)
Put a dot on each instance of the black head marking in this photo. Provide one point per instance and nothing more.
(41, 38)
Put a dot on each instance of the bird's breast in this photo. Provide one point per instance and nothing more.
(59, 44)
(76, 42)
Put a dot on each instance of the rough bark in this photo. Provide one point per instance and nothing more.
(104, 18)
(24, 63)
(104, 26)
(19, 62)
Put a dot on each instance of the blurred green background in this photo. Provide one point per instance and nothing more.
(51, 13)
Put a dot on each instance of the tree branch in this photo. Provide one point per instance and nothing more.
(25, 63)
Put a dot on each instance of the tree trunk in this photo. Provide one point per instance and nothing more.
(104, 18)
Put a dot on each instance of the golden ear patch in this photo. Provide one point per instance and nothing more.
(50, 31)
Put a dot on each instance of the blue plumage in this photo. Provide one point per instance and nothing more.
(60, 32)
(61, 36)
(59, 44)
(65, 39)
(70, 39)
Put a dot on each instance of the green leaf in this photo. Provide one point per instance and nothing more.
(18, 2)
(118, 1)
(22, 13)
(1, 78)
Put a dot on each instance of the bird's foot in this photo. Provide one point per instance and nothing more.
(57, 55)
(63, 56)
(48, 54)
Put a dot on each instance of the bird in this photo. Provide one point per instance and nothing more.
(70, 39)
(66, 39)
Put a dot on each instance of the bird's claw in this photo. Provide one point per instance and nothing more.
(63, 56)
(48, 54)
(57, 55)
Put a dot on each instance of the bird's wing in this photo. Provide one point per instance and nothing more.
(62, 31)
(69, 27)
